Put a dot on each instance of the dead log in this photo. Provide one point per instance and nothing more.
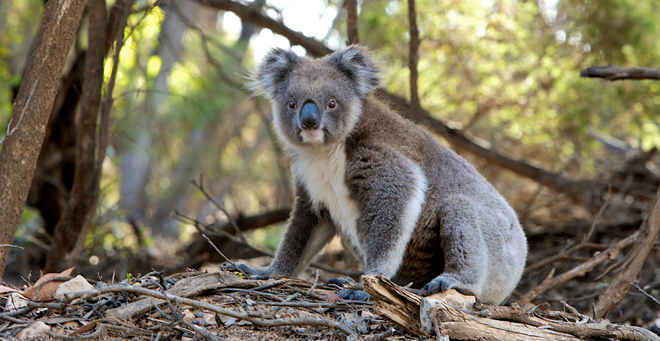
(480, 322)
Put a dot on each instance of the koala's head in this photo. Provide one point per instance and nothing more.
(316, 101)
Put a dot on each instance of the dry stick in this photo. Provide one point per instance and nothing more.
(102, 327)
(256, 321)
(208, 196)
(583, 330)
(236, 267)
(567, 252)
(381, 336)
(187, 220)
(612, 252)
(346, 305)
(618, 289)
(612, 73)
(413, 57)
(636, 286)
(52, 279)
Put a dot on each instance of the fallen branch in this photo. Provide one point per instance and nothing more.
(579, 270)
(488, 322)
(210, 307)
(618, 289)
(613, 73)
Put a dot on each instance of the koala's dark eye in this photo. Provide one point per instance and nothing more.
(292, 104)
(332, 104)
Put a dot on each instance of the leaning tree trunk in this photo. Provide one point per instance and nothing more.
(30, 114)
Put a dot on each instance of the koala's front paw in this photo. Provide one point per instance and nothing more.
(252, 273)
(439, 284)
(340, 282)
(353, 295)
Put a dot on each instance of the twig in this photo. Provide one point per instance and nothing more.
(592, 229)
(52, 279)
(316, 282)
(101, 328)
(252, 292)
(20, 118)
(636, 286)
(567, 252)
(256, 321)
(341, 304)
(207, 335)
(9, 245)
(413, 58)
(236, 267)
(579, 270)
(194, 222)
(208, 196)
(381, 336)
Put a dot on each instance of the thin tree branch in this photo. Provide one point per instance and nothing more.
(254, 16)
(580, 270)
(413, 57)
(613, 73)
(352, 22)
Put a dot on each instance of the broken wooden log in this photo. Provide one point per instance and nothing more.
(460, 321)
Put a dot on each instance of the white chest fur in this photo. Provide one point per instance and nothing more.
(322, 170)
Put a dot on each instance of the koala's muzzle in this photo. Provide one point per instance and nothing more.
(309, 116)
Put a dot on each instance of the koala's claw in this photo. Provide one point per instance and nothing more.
(353, 295)
(339, 282)
(252, 273)
(438, 284)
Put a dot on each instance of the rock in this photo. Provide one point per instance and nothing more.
(35, 331)
(79, 283)
(16, 301)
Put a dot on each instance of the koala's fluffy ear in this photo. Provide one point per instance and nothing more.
(358, 64)
(272, 71)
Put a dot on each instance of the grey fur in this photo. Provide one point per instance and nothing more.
(412, 209)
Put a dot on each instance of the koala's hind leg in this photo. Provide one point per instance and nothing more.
(464, 248)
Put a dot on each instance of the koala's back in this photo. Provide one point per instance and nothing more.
(450, 182)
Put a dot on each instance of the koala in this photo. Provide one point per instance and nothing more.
(411, 209)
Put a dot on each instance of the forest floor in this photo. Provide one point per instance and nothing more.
(224, 306)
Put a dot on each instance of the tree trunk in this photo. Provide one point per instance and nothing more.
(75, 221)
(82, 200)
(31, 112)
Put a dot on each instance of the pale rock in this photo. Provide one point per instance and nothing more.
(16, 301)
(35, 331)
(77, 284)
(188, 316)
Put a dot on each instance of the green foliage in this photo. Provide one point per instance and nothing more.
(509, 70)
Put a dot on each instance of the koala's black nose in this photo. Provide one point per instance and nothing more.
(309, 116)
